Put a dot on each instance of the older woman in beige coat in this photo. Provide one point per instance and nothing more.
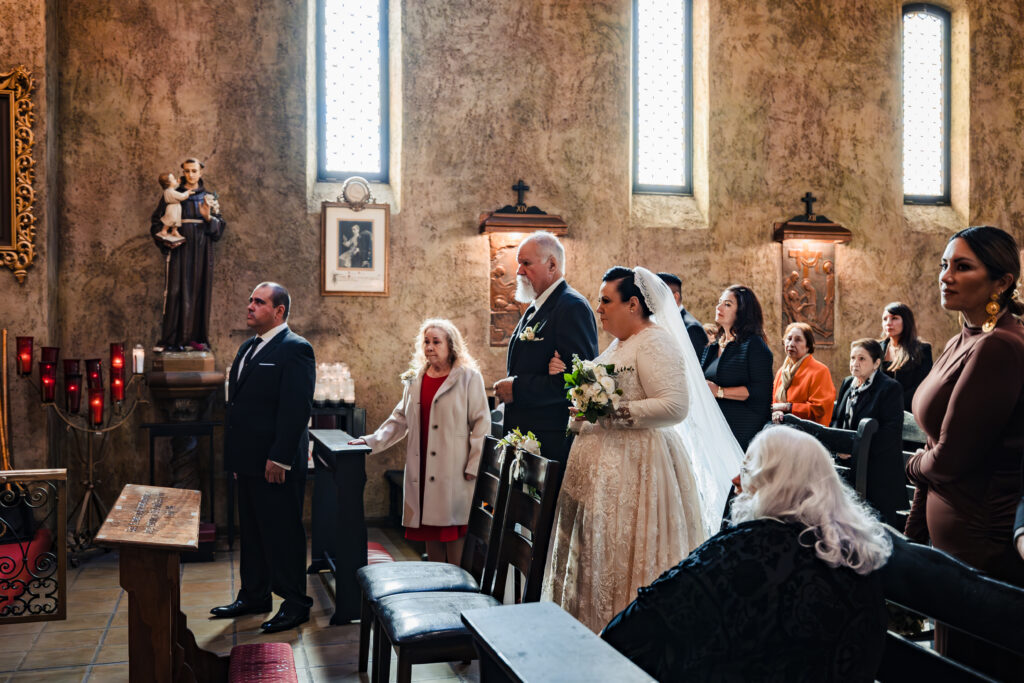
(445, 415)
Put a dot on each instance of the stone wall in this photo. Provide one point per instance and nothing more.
(792, 97)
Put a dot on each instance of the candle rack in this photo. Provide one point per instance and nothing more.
(94, 426)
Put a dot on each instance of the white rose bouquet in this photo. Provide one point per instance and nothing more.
(591, 389)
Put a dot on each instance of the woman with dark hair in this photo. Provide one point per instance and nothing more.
(869, 392)
(803, 385)
(738, 364)
(905, 357)
(971, 406)
(789, 592)
(629, 505)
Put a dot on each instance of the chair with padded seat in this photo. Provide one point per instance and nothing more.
(479, 554)
(426, 627)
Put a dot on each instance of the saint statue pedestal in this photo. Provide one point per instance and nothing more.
(183, 386)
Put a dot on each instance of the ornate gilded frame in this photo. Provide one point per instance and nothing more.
(17, 171)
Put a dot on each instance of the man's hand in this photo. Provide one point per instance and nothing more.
(204, 211)
(274, 473)
(503, 389)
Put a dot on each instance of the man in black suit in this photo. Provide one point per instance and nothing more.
(270, 400)
(558, 320)
(698, 337)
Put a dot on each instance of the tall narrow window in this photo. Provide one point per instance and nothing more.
(352, 89)
(662, 97)
(926, 86)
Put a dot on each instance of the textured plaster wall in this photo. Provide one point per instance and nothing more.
(28, 309)
(793, 97)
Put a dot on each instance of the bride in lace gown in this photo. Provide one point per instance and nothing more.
(629, 506)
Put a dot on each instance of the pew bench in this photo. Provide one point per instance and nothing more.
(539, 641)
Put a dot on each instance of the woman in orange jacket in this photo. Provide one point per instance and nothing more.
(803, 386)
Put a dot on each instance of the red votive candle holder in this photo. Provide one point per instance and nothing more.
(117, 355)
(94, 373)
(96, 406)
(24, 358)
(72, 366)
(49, 354)
(72, 392)
(117, 383)
(47, 380)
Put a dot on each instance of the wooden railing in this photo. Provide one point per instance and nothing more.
(33, 545)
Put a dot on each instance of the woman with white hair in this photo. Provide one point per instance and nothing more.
(789, 592)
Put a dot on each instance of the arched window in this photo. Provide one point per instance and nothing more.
(926, 109)
(662, 97)
(352, 89)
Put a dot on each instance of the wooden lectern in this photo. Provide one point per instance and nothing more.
(151, 526)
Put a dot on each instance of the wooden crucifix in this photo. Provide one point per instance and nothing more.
(520, 189)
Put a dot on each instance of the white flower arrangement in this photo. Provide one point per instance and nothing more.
(591, 389)
(525, 442)
(529, 332)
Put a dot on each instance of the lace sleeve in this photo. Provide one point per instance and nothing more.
(660, 370)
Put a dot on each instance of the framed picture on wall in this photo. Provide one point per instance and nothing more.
(354, 249)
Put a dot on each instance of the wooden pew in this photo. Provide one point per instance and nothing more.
(151, 526)
(539, 641)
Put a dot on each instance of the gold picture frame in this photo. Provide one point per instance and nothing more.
(354, 249)
(17, 172)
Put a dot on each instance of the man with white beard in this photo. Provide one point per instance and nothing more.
(558, 321)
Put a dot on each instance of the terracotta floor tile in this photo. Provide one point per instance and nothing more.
(78, 622)
(22, 628)
(112, 653)
(9, 661)
(116, 636)
(341, 654)
(332, 635)
(70, 675)
(63, 640)
(17, 643)
(109, 673)
(48, 659)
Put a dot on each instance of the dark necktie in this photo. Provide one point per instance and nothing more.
(250, 354)
(529, 314)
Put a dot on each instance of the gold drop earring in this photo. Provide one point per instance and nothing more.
(992, 308)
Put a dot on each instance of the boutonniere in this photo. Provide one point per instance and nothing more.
(408, 376)
(529, 332)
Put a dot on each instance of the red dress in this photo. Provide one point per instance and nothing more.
(425, 532)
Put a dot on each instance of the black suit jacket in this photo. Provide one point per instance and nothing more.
(883, 400)
(269, 405)
(698, 337)
(746, 363)
(538, 401)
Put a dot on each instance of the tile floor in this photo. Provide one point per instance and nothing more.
(92, 643)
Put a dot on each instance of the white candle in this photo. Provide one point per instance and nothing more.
(138, 359)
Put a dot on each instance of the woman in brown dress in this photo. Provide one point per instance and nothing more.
(971, 406)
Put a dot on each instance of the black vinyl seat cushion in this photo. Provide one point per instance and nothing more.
(411, 617)
(391, 578)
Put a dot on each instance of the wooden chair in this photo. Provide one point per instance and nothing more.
(479, 554)
(937, 585)
(856, 443)
(426, 627)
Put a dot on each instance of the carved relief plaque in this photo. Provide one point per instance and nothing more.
(809, 287)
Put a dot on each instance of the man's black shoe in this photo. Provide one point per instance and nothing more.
(238, 608)
(284, 620)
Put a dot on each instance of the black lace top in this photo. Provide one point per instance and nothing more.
(754, 604)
